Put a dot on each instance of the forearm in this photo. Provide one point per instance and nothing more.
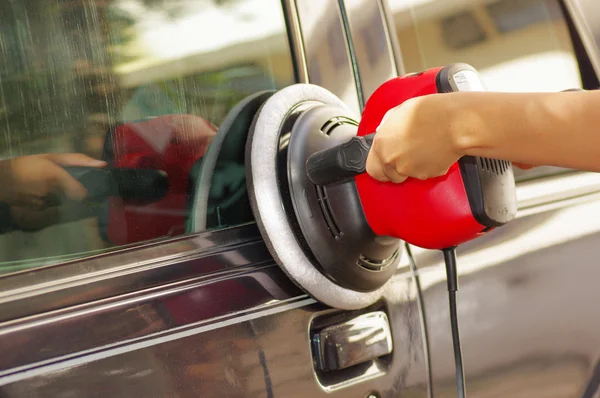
(557, 129)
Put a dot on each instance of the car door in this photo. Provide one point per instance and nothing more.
(527, 299)
(155, 281)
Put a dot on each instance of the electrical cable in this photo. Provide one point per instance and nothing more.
(452, 278)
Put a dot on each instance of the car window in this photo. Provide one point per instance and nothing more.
(516, 45)
(108, 112)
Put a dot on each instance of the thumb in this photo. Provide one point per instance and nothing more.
(74, 159)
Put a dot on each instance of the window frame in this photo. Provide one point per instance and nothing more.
(369, 22)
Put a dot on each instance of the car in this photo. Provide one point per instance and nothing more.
(161, 283)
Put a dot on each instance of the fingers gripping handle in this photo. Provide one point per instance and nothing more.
(340, 162)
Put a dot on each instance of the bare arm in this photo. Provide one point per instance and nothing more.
(424, 136)
(555, 129)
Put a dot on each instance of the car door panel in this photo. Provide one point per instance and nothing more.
(226, 334)
(526, 295)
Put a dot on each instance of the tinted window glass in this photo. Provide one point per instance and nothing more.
(516, 45)
(107, 110)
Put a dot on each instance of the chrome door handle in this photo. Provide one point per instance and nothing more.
(353, 342)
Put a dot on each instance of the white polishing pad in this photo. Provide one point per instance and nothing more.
(262, 150)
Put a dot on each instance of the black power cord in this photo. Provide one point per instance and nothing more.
(452, 278)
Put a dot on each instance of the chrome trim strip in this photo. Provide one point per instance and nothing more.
(122, 347)
(58, 334)
(327, 50)
(559, 205)
(290, 11)
(161, 263)
(351, 51)
(556, 188)
(370, 39)
(390, 26)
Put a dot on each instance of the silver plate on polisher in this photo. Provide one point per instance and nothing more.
(283, 239)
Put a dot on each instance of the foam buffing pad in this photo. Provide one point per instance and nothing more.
(318, 235)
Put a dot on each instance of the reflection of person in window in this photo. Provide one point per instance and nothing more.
(33, 187)
(36, 192)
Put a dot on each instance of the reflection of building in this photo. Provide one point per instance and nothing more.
(56, 60)
(206, 57)
(517, 45)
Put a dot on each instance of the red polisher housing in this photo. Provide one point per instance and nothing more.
(474, 197)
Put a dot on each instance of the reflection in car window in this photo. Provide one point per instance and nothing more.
(516, 45)
(107, 110)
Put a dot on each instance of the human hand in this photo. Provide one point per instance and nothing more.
(415, 139)
(422, 138)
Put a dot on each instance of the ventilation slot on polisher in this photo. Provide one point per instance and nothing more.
(377, 265)
(334, 122)
(325, 206)
(494, 166)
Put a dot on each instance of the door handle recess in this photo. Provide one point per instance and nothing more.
(358, 340)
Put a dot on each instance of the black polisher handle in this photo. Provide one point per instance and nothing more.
(339, 163)
(140, 185)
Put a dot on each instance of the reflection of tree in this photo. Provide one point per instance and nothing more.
(58, 58)
(48, 82)
(176, 6)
